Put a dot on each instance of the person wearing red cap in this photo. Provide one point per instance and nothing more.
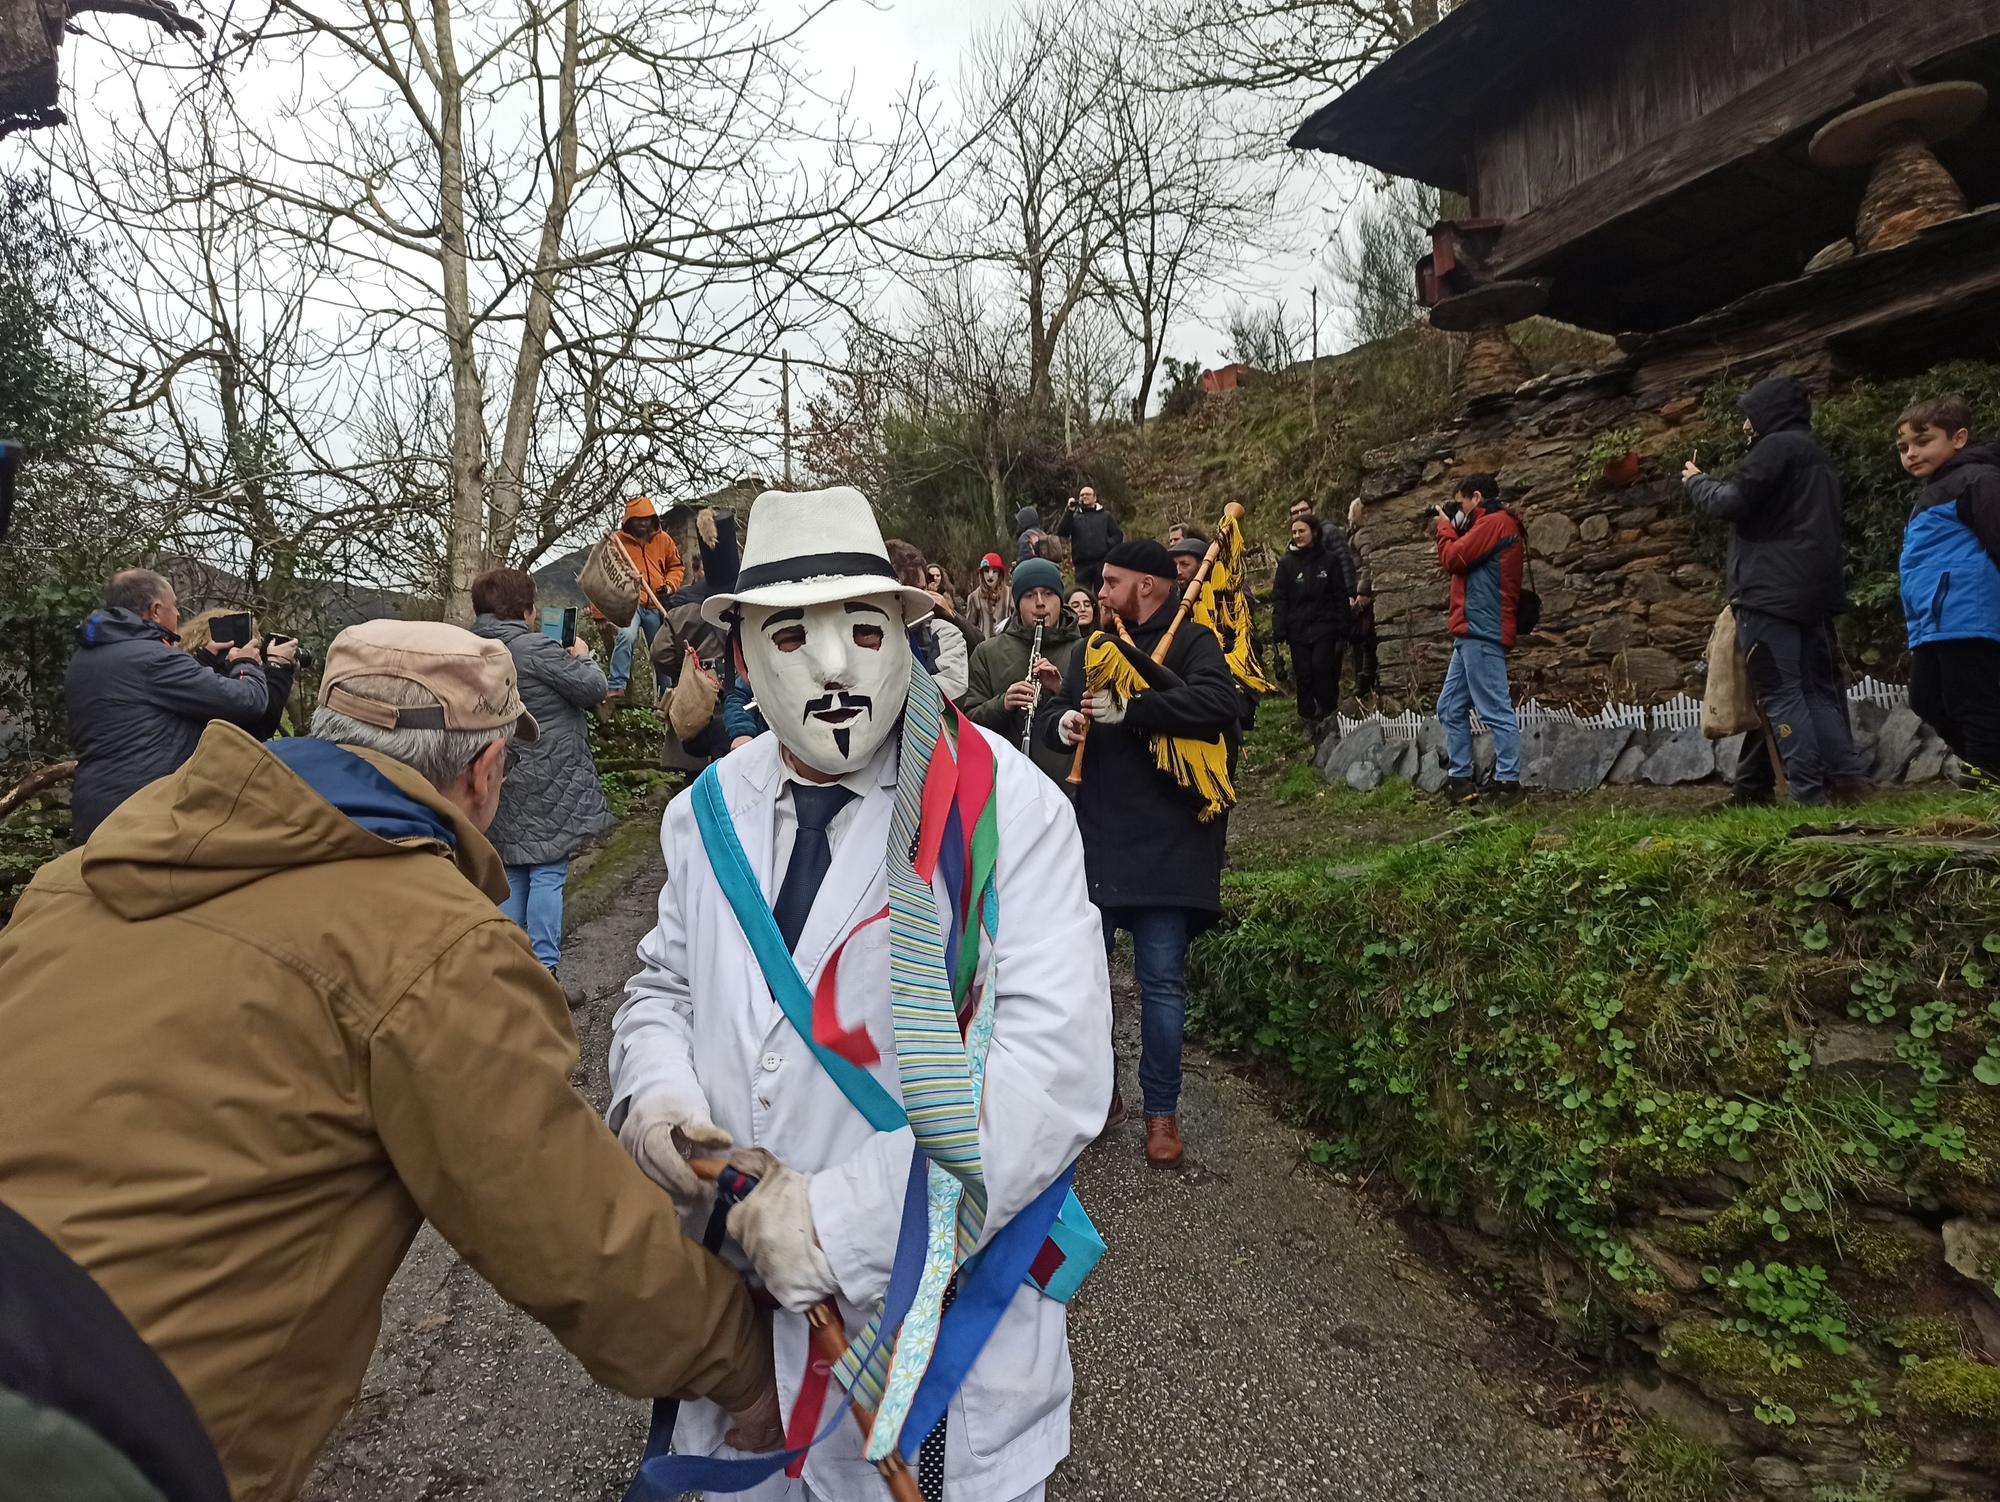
(658, 563)
(989, 609)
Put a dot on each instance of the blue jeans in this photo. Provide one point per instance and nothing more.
(1478, 680)
(1159, 955)
(648, 621)
(535, 901)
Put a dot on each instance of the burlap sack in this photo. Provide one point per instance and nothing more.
(1729, 706)
(610, 582)
(691, 703)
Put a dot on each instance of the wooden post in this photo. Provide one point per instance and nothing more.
(1312, 370)
(785, 408)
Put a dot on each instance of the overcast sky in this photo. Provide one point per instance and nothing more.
(878, 46)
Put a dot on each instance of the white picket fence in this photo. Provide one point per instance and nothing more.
(1677, 713)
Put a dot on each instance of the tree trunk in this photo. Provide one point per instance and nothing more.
(464, 555)
(508, 478)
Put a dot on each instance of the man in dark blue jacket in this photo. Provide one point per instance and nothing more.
(1787, 581)
(1951, 580)
(138, 703)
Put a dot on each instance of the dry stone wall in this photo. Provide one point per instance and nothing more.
(1629, 591)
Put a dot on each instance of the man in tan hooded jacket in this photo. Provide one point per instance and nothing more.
(269, 1019)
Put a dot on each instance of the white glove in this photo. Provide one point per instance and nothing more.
(1105, 707)
(1071, 728)
(774, 1226)
(660, 1132)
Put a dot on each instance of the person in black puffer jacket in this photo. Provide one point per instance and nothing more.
(551, 803)
(280, 667)
(1310, 615)
(1092, 532)
(1787, 581)
(137, 703)
(1028, 534)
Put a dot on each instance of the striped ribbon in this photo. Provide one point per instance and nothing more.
(945, 821)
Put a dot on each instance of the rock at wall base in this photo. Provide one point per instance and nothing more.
(1364, 776)
(1927, 765)
(1431, 775)
(1338, 753)
(1728, 754)
(1676, 1403)
(1677, 756)
(1625, 771)
(1895, 744)
(1571, 758)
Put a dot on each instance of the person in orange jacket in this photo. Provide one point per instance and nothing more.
(658, 561)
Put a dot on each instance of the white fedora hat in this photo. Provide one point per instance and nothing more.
(811, 547)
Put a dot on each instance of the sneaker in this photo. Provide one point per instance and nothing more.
(1501, 795)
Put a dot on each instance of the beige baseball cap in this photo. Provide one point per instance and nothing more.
(470, 677)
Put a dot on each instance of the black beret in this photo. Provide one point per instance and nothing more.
(1142, 555)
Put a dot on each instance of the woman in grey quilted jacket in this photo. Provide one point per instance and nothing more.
(551, 803)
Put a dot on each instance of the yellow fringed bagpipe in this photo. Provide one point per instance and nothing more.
(1200, 766)
(1224, 609)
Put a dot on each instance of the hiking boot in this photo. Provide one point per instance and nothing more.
(575, 995)
(1847, 794)
(1460, 792)
(1163, 1141)
(1501, 795)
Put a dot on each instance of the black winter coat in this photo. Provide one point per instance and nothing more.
(1333, 538)
(1144, 844)
(1309, 598)
(1783, 506)
(137, 705)
(278, 679)
(1092, 535)
(551, 803)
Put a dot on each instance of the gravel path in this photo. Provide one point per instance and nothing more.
(1255, 1333)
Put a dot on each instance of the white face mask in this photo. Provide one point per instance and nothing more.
(830, 679)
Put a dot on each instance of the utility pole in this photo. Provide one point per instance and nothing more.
(785, 408)
(1312, 370)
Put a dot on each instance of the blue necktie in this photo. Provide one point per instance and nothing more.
(815, 807)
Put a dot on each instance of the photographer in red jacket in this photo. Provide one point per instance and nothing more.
(1482, 547)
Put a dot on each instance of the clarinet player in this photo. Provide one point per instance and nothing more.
(1006, 680)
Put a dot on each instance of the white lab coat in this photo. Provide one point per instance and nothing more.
(699, 1023)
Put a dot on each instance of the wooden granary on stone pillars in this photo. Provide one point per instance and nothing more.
(1710, 180)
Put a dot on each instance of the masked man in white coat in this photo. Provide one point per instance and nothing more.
(920, 872)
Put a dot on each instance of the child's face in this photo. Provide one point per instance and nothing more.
(1925, 451)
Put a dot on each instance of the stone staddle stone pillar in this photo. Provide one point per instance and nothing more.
(1909, 189)
(1494, 364)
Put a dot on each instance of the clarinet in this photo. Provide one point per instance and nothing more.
(1034, 661)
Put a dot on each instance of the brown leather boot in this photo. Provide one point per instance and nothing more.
(1163, 1141)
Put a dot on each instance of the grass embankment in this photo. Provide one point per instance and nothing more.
(1721, 1083)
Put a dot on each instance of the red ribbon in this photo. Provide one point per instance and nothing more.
(804, 1425)
(852, 1044)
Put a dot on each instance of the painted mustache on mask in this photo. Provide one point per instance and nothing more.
(838, 712)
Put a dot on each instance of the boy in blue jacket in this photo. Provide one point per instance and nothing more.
(1951, 579)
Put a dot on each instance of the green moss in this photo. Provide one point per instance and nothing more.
(1882, 1255)
(1953, 1392)
(1666, 1465)
(1734, 1363)
(1925, 1335)
(1886, 1448)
